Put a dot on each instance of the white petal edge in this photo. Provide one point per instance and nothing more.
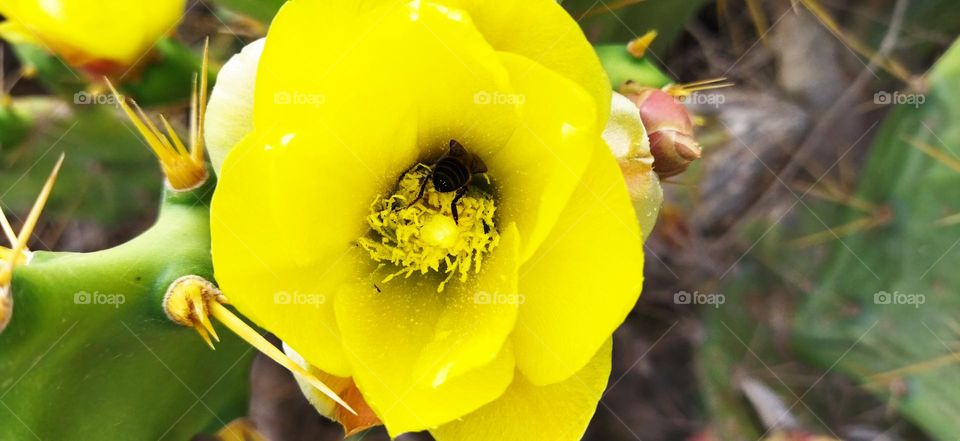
(229, 114)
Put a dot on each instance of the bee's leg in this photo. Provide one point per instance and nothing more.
(453, 205)
(423, 187)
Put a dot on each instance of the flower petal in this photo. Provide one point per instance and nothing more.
(544, 32)
(401, 55)
(423, 358)
(597, 241)
(557, 412)
(540, 167)
(286, 211)
(229, 114)
(89, 30)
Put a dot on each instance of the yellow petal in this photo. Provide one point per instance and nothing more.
(543, 31)
(85, 31)
(557, 412)
(540, 167)
(423, 358)
(401, 56)
(597, 245)
(285, 214)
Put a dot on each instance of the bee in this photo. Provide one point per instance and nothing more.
(453, 172)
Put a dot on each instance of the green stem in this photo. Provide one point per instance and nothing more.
(621, 66)
(90, 326)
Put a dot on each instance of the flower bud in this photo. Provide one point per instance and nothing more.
(627, 139)
(98, 37)
(670, 130)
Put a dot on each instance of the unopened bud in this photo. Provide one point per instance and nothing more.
(629, 143)
(670, 129)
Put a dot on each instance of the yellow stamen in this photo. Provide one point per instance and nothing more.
(184, 168)
(191, 300)
(638, 46)
(423, 237)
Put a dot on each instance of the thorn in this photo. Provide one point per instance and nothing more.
(723, 13)
(155, 144)
(7, 229)
(881, 216)
(759, 20)
(203, 318)
(248, 334)
(191, 300)
(240, 429)
(952, 219)
(613, 7)
(181, 167)
(638, 46)
(685, 89)
(31, 222)
(172, 134)
(197, 143)
(205, 336)
(916, 368)
(936, 153)
(891, 66)
(832, 193)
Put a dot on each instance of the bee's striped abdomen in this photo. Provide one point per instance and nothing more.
(450, 174)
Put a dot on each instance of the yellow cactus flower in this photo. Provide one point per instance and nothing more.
(425, 211)
(97, 36)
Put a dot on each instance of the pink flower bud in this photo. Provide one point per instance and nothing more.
(670, 129)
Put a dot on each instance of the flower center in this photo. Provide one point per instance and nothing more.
(421, 235)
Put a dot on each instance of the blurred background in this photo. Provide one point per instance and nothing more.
(801, 281)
